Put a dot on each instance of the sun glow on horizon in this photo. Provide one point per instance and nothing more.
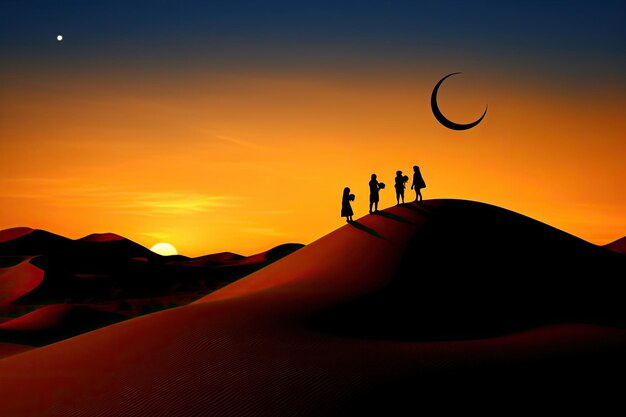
(164, 249)
(250, 174)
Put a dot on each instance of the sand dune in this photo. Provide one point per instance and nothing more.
(618, 246)
(18, 280)
(229, 259)
(55, 322)
(450, 304)
(221, 258)
(10, 349)
(30, 242)
(102, 237)
(52, 287)
(14, 233)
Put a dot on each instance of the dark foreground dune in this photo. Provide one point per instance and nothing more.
(618, 246)
(450, 305)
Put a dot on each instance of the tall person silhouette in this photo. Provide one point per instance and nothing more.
(346, 208)
(418, 183)
(399, 186)
(375, 187)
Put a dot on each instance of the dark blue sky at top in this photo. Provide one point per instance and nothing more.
(584, 38)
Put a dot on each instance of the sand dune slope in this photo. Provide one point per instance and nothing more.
(618, 246)
(18, 280)
(452, 304)
(52, 287)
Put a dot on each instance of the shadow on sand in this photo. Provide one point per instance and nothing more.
(418, 207)
(392, 217)
(366, 229)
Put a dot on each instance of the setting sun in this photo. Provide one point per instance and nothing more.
(164, 249)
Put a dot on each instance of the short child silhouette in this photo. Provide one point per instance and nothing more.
(399, 186)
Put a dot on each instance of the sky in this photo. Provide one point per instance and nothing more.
(235, 125)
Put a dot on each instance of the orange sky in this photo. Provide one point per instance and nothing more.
(242, 162)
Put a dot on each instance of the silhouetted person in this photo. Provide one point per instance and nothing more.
(399, 186)
(346, 208)
(418, 183)
(375, 186)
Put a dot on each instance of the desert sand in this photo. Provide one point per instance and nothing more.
(447, 305)
(52, 287)
(618, 246)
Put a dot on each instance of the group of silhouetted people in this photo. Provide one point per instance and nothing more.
(375, 187)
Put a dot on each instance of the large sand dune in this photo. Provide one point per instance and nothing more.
(449, 304)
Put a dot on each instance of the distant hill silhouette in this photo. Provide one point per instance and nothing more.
(28, 242)
(448, 305)
(100, 279)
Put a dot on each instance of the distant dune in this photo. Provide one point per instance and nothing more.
(18, 280)
(447, 306)
(27, 242)
(102, 237)
(52, 288)
(55, 322)
(14, 233)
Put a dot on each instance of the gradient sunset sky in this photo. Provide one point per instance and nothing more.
(235, 125)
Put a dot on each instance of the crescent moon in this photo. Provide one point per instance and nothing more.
(441, 118)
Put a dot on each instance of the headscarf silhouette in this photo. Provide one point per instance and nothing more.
(418, 183)
(346, 208)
